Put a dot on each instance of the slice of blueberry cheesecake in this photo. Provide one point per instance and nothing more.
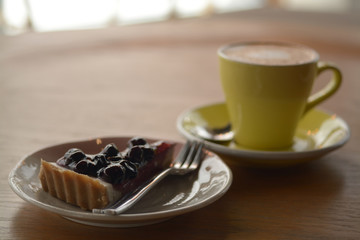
(97, 180)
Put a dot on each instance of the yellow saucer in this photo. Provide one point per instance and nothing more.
(318, 133)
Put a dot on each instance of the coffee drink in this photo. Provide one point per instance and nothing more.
(270, 54)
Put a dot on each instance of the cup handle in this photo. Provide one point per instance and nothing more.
(329, 89)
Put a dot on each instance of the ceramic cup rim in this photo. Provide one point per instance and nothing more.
(222, 54)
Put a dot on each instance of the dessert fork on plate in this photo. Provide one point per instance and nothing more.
(187, 160)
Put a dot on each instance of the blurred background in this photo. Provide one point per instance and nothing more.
(20, 16)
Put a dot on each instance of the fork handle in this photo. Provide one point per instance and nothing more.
(137, 196)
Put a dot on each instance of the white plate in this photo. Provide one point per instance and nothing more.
(318, 133)
(173, 196)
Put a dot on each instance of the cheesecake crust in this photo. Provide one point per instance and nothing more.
(74, 188)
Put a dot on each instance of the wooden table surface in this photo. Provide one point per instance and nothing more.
(136, 80)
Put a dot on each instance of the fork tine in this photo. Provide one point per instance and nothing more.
(198, 155)
(190, 155)
(182, 154)
(194, 156)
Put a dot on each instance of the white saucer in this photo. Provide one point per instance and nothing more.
(173, 196)
(318, 133)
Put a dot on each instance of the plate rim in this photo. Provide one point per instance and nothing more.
(86, 215)
(257, 153)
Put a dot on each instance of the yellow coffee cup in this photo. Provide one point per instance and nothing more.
(267, 87)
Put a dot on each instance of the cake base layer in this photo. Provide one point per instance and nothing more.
(71, 187)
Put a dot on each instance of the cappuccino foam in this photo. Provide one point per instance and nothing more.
(270, 54)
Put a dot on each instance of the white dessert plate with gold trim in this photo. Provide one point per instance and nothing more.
(318, 133)
(174, 196)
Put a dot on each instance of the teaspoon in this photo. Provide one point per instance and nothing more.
(222, 134)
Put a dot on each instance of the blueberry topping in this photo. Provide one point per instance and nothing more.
(115, 159)
(136, 141)
(110, 150)
(148, 153)
(130, 169)
(135, 154)
(86, 167)
(73, 155)
(110, 165)
(113, 173)
(100, 161)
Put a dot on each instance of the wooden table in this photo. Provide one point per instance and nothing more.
(136, 80)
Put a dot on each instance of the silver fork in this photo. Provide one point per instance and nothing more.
(186, 161)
